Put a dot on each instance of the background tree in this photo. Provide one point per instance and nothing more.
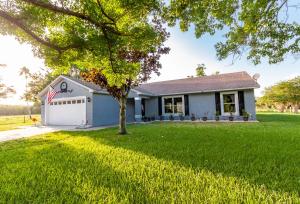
(119, 42)
(282, 95)
(24, 71)
(36, 83)
(200, 70)
(261, 28)
(5, 91)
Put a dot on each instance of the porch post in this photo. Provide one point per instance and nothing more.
(138, 109)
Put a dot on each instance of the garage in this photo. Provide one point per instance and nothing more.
(66, 111)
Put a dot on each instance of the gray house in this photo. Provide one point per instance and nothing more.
(81, 103)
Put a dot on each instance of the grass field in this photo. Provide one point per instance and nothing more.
(158, 163)
(13, 122)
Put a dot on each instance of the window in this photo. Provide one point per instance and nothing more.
(83, 101)
(78, 101)
(64, 102)
(229, 103)
(51, 104)
(68, 102)
(55, 103)
(173, 105)
(73, 102)
(168, 105)
(59, 103)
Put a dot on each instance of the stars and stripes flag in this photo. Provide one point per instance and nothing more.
(51, 94)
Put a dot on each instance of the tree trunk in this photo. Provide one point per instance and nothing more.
(122, 119)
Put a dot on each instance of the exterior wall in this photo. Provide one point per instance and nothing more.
(250, 106)
(106, 110)
(76, 91)
(200, 104)
(130, 110)
(151, 107)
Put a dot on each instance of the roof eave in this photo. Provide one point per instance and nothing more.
(208, 91)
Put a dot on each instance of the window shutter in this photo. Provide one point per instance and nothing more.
(241, 102)
(159, 106)
(186, 105)
(218, 102)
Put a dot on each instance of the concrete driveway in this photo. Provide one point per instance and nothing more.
(28, 131)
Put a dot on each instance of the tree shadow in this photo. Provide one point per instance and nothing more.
(43, 170)
(265, 155)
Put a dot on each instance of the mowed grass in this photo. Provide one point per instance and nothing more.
(158, 163)
(14, 122)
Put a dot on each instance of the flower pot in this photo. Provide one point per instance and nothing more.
(245, 118)
(204, 118)
(231, 118)
(217, 118)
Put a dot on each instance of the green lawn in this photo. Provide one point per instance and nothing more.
(13, 122)
(158, 163)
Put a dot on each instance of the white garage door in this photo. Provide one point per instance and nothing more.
(66, 111)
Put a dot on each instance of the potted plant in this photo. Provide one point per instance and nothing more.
(204, 118)
(161, 117)
(171, 117)
(217, 115)
(181, 117)
(193, 118)
(245, 115)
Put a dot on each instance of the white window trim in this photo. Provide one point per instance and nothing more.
(236, 101)
(175, 114)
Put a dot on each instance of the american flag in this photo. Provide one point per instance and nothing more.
(51, 94)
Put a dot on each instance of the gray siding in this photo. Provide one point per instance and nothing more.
(199, 104)
(250, 106)
(76, 91)
(151, 107)
(106, 110)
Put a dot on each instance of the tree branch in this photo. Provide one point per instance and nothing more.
(27, 30)
(69, 12)
(103, 12)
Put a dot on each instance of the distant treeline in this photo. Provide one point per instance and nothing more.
(18, 110)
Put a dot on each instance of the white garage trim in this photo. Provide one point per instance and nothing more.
(67, 111)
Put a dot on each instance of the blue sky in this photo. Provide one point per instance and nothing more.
(186, 53)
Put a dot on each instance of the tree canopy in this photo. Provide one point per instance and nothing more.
(283, 94)
(200, 70)
(260, 29)
(121, 41)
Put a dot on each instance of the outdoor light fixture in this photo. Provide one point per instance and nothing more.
(88, 99)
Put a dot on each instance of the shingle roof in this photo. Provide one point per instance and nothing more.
(87, 84)
(229, 81)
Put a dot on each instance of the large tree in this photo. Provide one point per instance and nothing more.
(120, 40)
(258, 28)
(281, 95)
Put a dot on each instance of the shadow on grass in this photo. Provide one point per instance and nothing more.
(49, 171)
(263, 154)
